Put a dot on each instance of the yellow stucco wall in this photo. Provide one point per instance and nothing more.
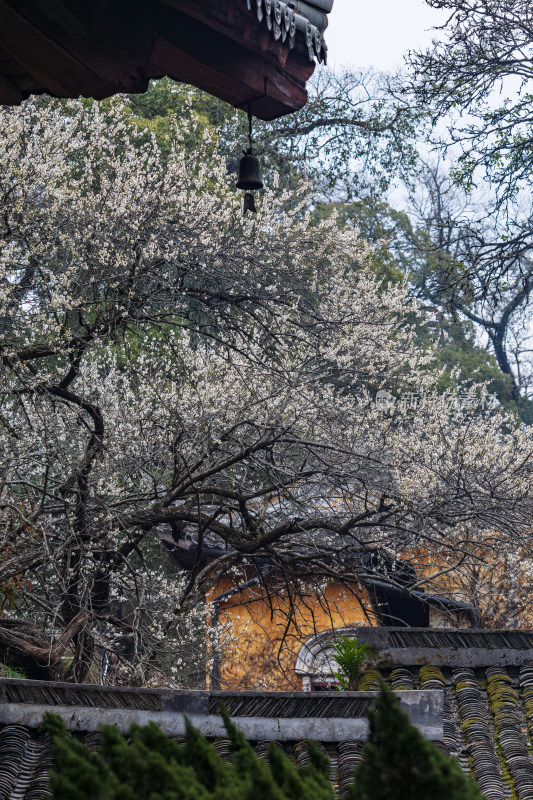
(265, 643)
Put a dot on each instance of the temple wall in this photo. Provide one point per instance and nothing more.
(265, 646)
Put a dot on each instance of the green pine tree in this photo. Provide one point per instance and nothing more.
(399, 764)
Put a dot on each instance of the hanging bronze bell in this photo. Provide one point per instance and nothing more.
(249, 172)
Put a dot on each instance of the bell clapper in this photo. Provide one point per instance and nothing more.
(249, 203)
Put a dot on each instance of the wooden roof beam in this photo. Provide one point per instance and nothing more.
(69, 48)
(203, 57)
(42, 57)
(10, 93)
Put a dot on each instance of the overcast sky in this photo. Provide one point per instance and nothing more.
(378, 32)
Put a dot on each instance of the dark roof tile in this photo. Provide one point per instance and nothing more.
(487, 719)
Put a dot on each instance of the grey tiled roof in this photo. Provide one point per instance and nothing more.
(486, 712)
(488, 722)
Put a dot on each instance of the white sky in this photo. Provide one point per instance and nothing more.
(377, 33)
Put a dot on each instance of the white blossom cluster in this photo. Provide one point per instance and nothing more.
(170, 364)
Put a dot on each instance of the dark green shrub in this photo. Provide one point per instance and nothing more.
(151, 766)
(399, 764)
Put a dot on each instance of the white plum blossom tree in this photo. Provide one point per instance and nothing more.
(170, 363)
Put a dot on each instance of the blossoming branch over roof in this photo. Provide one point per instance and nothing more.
(258, 51)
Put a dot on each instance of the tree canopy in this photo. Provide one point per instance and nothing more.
(167, 361)
(483, 51)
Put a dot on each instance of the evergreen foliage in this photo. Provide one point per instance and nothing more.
(350, 656)
(151, 766)
(399, 764)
